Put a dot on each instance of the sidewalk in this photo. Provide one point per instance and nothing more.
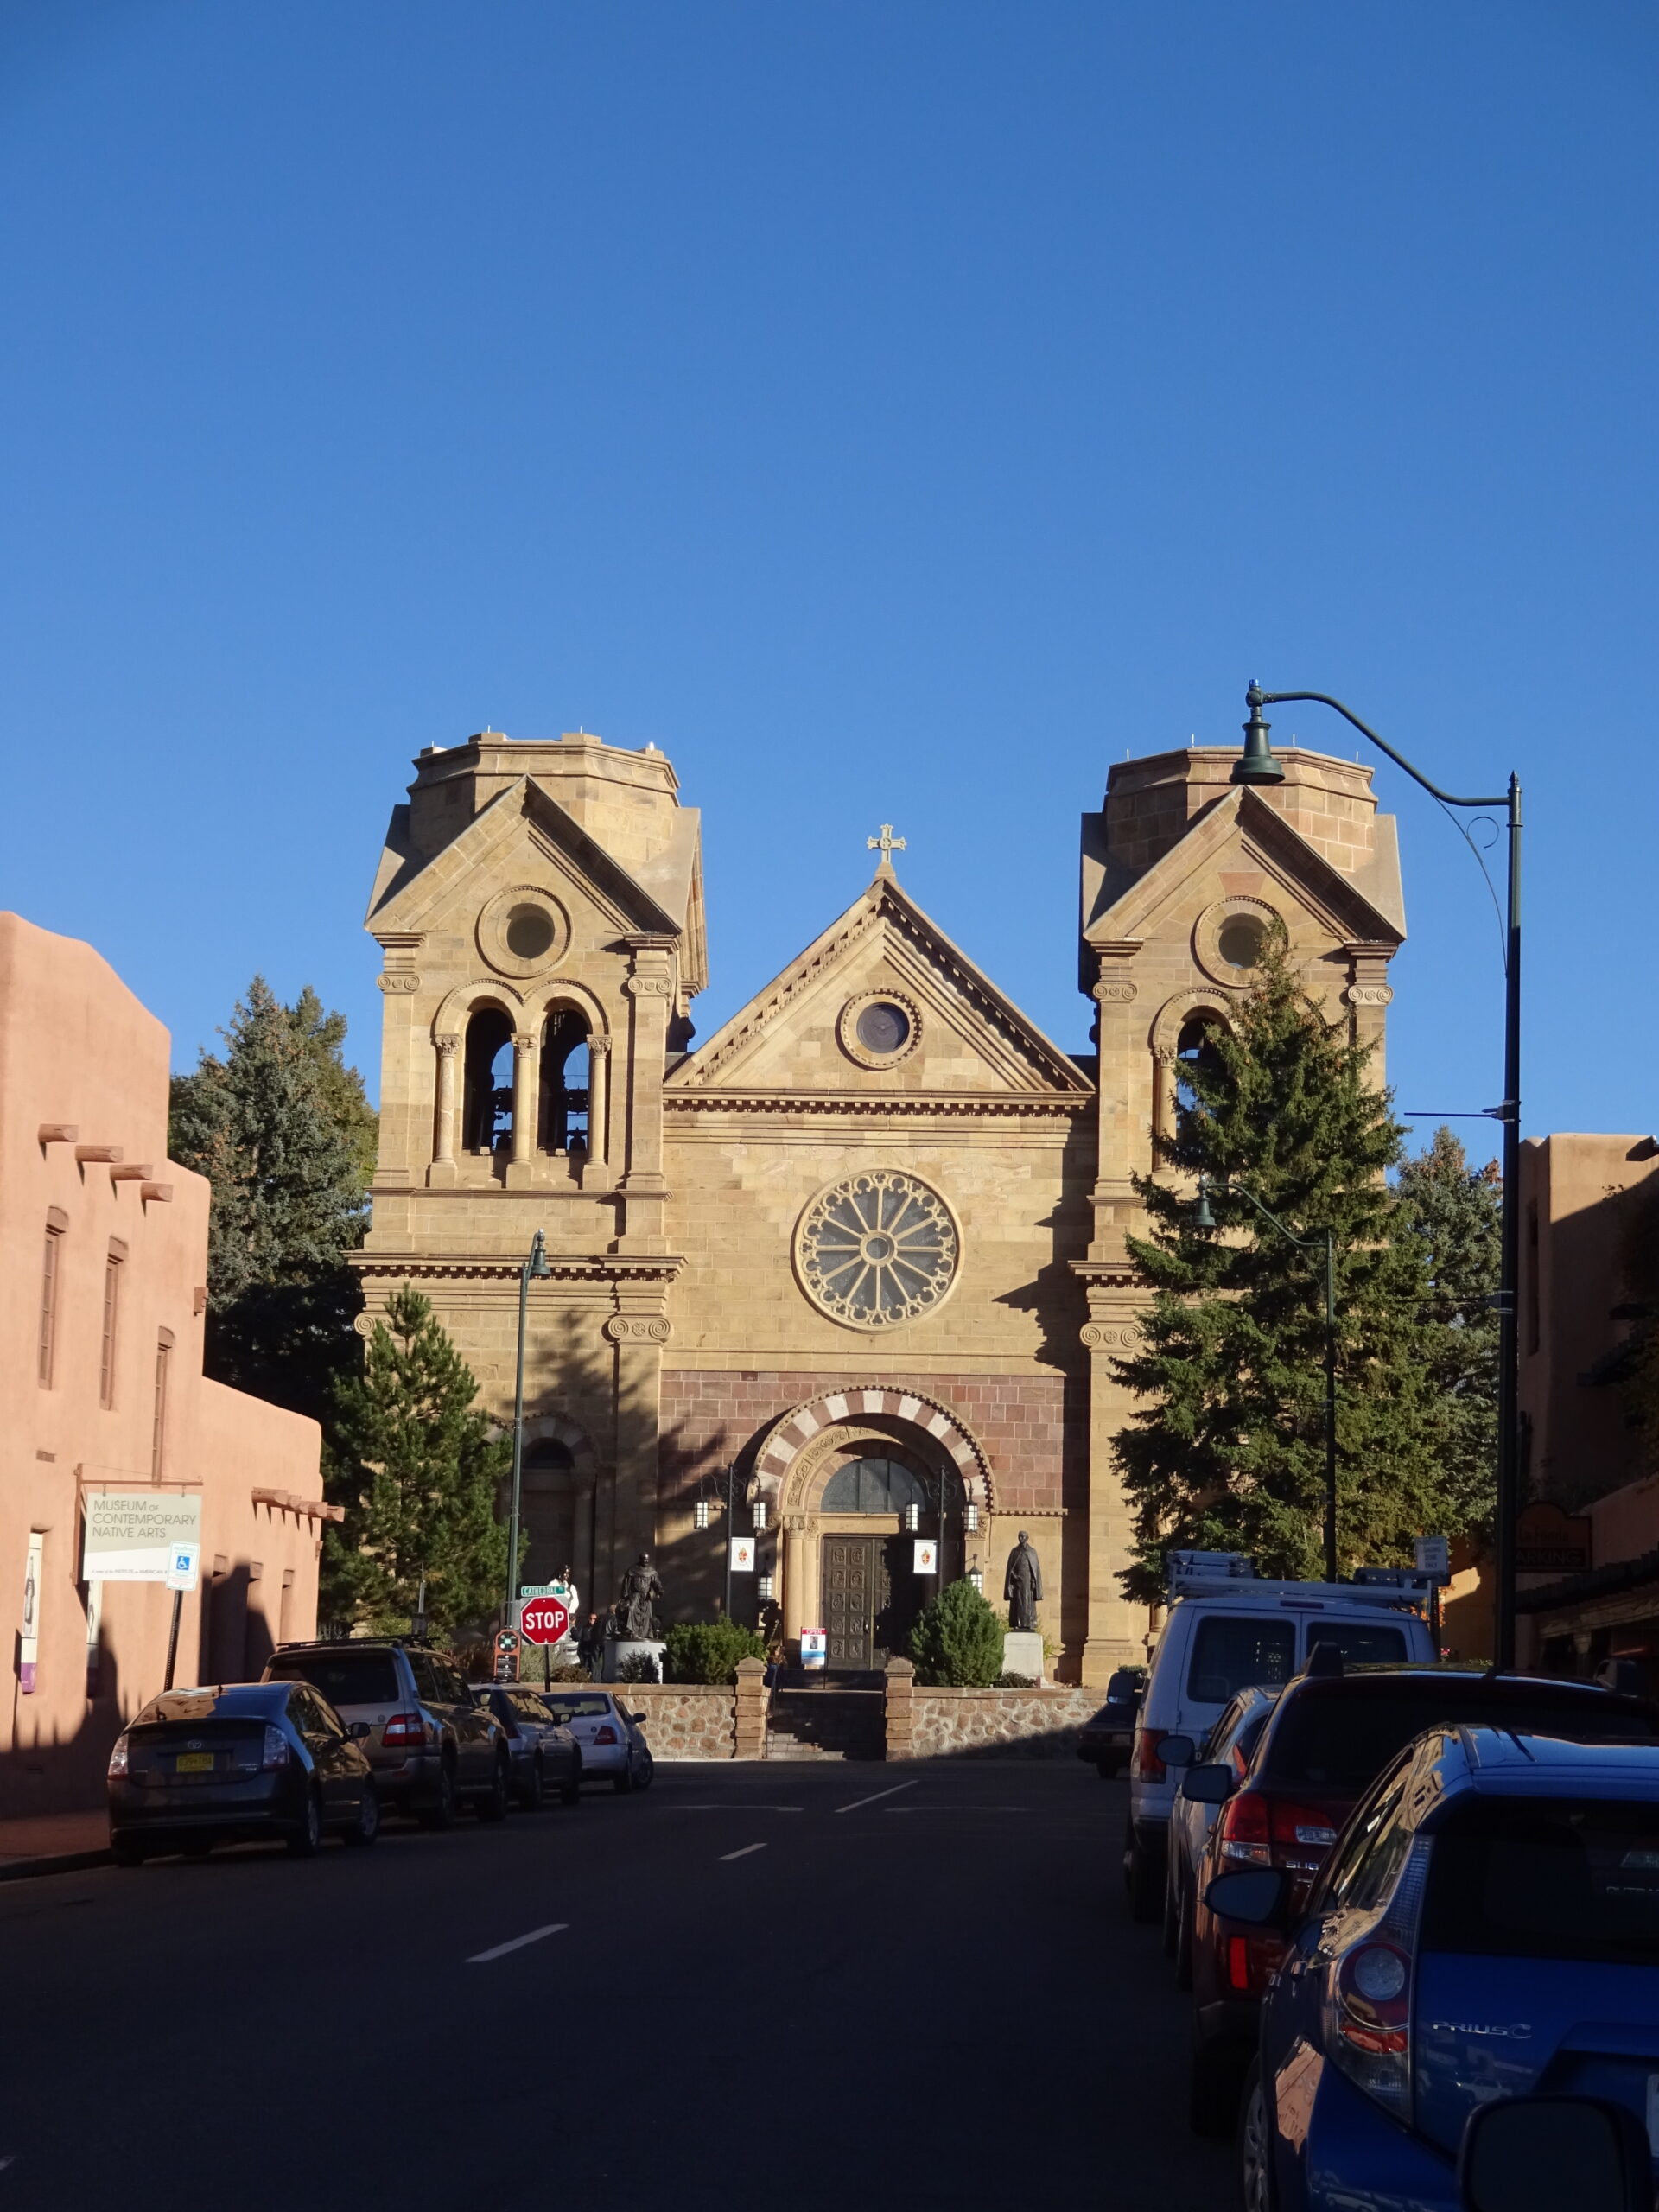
(53, 1843)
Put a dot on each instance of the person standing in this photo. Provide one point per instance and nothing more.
(590, 1647)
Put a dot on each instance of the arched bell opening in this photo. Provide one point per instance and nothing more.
(562, 1125)
(487, 1088)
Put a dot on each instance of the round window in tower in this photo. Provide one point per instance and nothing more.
(529, 932)
(877, 1249)
(880, 1028)
(523, 931)
(1232, 939)
(1240, 940)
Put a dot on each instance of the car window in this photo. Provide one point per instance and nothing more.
(1231, 1651)
(1372, 1849)
(424, 1669)
(578, 1707)
(303, 1711)
(1362, 1643)
(1546, 1878)
(1243, 1750)
(453, 1689)
(1331, 1741)
(344, 1677)
(528, 1707)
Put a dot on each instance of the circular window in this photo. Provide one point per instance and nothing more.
(877, 1248)
(1231, 938)
(529, 932)
(1240, 940)
(523, 930)
(880, 1028)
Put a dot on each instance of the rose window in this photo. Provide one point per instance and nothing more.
(877, 1249)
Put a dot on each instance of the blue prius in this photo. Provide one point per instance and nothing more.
(1487, 1927)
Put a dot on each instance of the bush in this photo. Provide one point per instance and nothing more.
(571, 1673)
(638, 1667)
(708, 1651)
(1016, 1682)
(957, 1643)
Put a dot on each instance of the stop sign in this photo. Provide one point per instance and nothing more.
(543, 1620)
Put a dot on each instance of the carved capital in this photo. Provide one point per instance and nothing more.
(647, 987)
(599, 1046)
(364, 1324)
(1369, 995)
(626, 1328)
(1103, 1335)
(1113, 990)
(447, 1045)
(523, 1043)
(399, 979)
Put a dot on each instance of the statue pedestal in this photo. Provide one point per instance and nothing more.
(618, 1648)
(1022, 1653)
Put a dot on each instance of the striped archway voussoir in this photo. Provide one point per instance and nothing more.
(786, 1437)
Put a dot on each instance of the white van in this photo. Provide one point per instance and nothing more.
(1228, 1631)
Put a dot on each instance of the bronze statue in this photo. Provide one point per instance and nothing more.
(1022, 1585)
(641, 1585)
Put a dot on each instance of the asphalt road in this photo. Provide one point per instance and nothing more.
(807, 1986)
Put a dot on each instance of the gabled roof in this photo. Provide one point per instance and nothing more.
(409, 888)
(1026, 1058)
(1365, 906)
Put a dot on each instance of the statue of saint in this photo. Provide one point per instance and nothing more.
(1022, 1585)
(641, 1586)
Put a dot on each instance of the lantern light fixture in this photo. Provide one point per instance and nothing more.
(976, 1576)
(913, 1518)
(700, 1513)
(971, 1516)
(763, 1588)
(759, 1516)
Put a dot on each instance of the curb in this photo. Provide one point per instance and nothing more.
(57, 1862)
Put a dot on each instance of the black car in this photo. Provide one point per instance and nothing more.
(1105, 1741)
(241, 1762)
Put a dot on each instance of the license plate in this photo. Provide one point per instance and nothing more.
(193, 1763)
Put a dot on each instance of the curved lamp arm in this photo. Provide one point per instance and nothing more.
(1256, 699)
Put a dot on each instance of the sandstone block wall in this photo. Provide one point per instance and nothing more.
(997, 1724)
(685, 1721)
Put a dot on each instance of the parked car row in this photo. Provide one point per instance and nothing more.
(1398, 1892)
(336, 1734)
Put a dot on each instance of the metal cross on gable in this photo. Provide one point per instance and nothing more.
(887, 844)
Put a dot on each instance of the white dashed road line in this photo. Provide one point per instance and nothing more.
(880, 1794)
(744, 1854)
(735, 1806)
(500, 1950)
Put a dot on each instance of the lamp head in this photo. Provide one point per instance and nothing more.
(1201, 1216)
(539, 1270)
(1256, 765)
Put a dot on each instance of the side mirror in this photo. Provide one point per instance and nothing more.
(639, 1719)
(1255, 1897)
(1176, 1751)
(1576, 2151)
(1207, 1785)
(360, 1731)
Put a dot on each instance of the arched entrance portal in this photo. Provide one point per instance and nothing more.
(844, 1477)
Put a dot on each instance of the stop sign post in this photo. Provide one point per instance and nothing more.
(543, 1620)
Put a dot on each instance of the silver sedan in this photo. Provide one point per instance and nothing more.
(612, 1746)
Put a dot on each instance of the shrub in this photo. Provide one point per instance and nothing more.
(957, 1643)
(638, 1667)
(570, 1674)
(1016, 1682)
(708, 1651)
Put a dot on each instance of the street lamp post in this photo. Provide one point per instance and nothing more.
(537, 1268)
(1258, 765)
(1203, 1218)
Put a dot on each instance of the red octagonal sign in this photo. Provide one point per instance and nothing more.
(543, 1620)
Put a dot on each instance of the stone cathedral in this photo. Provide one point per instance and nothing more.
(863, 1248)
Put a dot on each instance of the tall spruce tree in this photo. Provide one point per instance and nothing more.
(416, 1472)
(280, 1124)
(1226, 1449)
(1454, 1212)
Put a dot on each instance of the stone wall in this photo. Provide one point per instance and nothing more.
(685, 1720)
(938, 1723)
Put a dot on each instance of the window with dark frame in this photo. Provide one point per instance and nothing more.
(56, 1223)
(158, 1434)
(111, 1322)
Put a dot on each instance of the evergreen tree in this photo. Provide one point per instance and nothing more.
(281, 1125)
(416, 1472)
(957, 1639)
(1455, 1214)
(1226, 1450)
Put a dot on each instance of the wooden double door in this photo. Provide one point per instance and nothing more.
(870, 1600)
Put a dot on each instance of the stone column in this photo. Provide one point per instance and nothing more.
(1124, 1109)
(638, 1333)
(751, 1699)
(1369, 995)
(900, 1687)
(524, 1103)
(597, 1167)
(795, 1558)
(1114, 1634)
(442, 1170)
(649, 993)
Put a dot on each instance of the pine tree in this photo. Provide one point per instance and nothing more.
(1455, 1213)
(416, 1472)
(1226, 1450)
(281, 1125)
(957, 1639)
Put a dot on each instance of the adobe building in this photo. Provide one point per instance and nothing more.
(103, 1275)
(864, 1248)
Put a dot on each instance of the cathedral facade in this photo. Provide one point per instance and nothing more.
(852, 1272)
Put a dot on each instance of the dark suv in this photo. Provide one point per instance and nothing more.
(1329, 1737)
(430, 1746)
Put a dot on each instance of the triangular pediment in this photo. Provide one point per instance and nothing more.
(413, 894)
(799, 1034)
(1242, 829)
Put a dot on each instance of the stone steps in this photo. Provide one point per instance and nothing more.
(821, 1723)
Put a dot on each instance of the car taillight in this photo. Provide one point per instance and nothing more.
(1375, 1983)
(118, 1755)
(1368, 1996)
(405, 1728)
(607, 1735)
(277, 1753)
(1147, 1765)
(1245, 1837)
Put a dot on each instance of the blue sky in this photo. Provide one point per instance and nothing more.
(894, 411)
